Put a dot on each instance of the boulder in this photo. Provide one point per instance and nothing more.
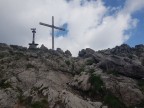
(68, 53)
(139, 48)
(72, 101)
(59, 50)
(8, 98)
(86, 53)
(81, 82)
(124, 88)
(123, 66)
(121, 50)
(43, 48)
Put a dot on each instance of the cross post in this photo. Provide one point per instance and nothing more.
(33, 31)
(53, 32)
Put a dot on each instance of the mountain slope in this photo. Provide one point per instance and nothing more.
(43, 78)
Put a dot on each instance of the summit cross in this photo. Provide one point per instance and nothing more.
(53, 27)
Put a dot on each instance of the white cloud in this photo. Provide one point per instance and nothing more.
(133, 5)
(89, 25)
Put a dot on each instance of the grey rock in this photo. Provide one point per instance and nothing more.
(68, 53)
(123, 66)
(72, 101)
(8, 98)
(123, 49)
(81, 82)
(124, 88)
(86, 53)
(139, 48)
(60, 50)
(43, 48)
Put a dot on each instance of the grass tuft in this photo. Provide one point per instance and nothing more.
(112, 101)
(40, 104)
(96, 83)
(4, 84)
(29, 65)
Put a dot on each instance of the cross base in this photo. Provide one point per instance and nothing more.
(32, 46)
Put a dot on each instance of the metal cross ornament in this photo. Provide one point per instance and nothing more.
(33, 44)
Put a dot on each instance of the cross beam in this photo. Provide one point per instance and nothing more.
(53, 27)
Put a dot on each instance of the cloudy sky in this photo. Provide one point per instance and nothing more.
(98, 24)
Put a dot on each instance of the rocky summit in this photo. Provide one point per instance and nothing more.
(45, 78)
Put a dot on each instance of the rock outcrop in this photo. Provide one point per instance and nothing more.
(45, 78)
(122, 59)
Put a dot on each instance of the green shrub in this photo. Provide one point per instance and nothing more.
(91, 70)
(27, 101)
(19, 89)
(18, 55)
(40, 104)
(130, 56)
(4, 84)
(60, 104)
(24, 100)
(2, 61)
(143, 62)
(27, 58)
(2, 56)
(113, 72)
(72, 67)
(141, 105)
(67, 62)
(96, 83)
(29, 65)
(1, 73)
(141, 85)
(62, 65)
(112, 101)
(89, 62)
(44, 101)
(98, 91)
(21, 98)
(2, 67)
(82, 69)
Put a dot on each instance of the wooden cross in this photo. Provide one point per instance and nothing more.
(53, 27)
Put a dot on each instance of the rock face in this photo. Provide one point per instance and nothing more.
(122, 59)
(124, 88)
(81, 82)
(45, 78)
